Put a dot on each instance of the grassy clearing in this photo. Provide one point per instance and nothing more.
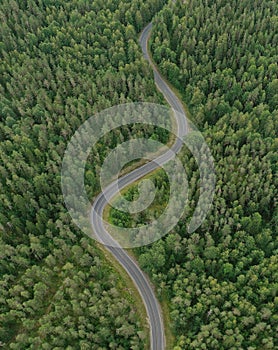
(170, 339)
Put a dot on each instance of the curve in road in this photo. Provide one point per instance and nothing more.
(157, 337)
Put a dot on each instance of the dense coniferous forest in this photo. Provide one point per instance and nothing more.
(221, 281)
(61, 62)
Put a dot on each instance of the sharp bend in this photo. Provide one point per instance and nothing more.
(155, 319)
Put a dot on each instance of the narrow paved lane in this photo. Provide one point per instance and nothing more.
(157, 337)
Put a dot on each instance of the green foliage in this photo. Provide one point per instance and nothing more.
(125, 219)
(221, 55)
(61, 62)
(221, 281)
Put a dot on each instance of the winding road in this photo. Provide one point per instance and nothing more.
(155, 319)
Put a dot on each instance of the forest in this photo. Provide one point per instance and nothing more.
(63, 61)
(221, 281)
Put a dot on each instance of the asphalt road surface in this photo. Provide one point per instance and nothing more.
(155, 319)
